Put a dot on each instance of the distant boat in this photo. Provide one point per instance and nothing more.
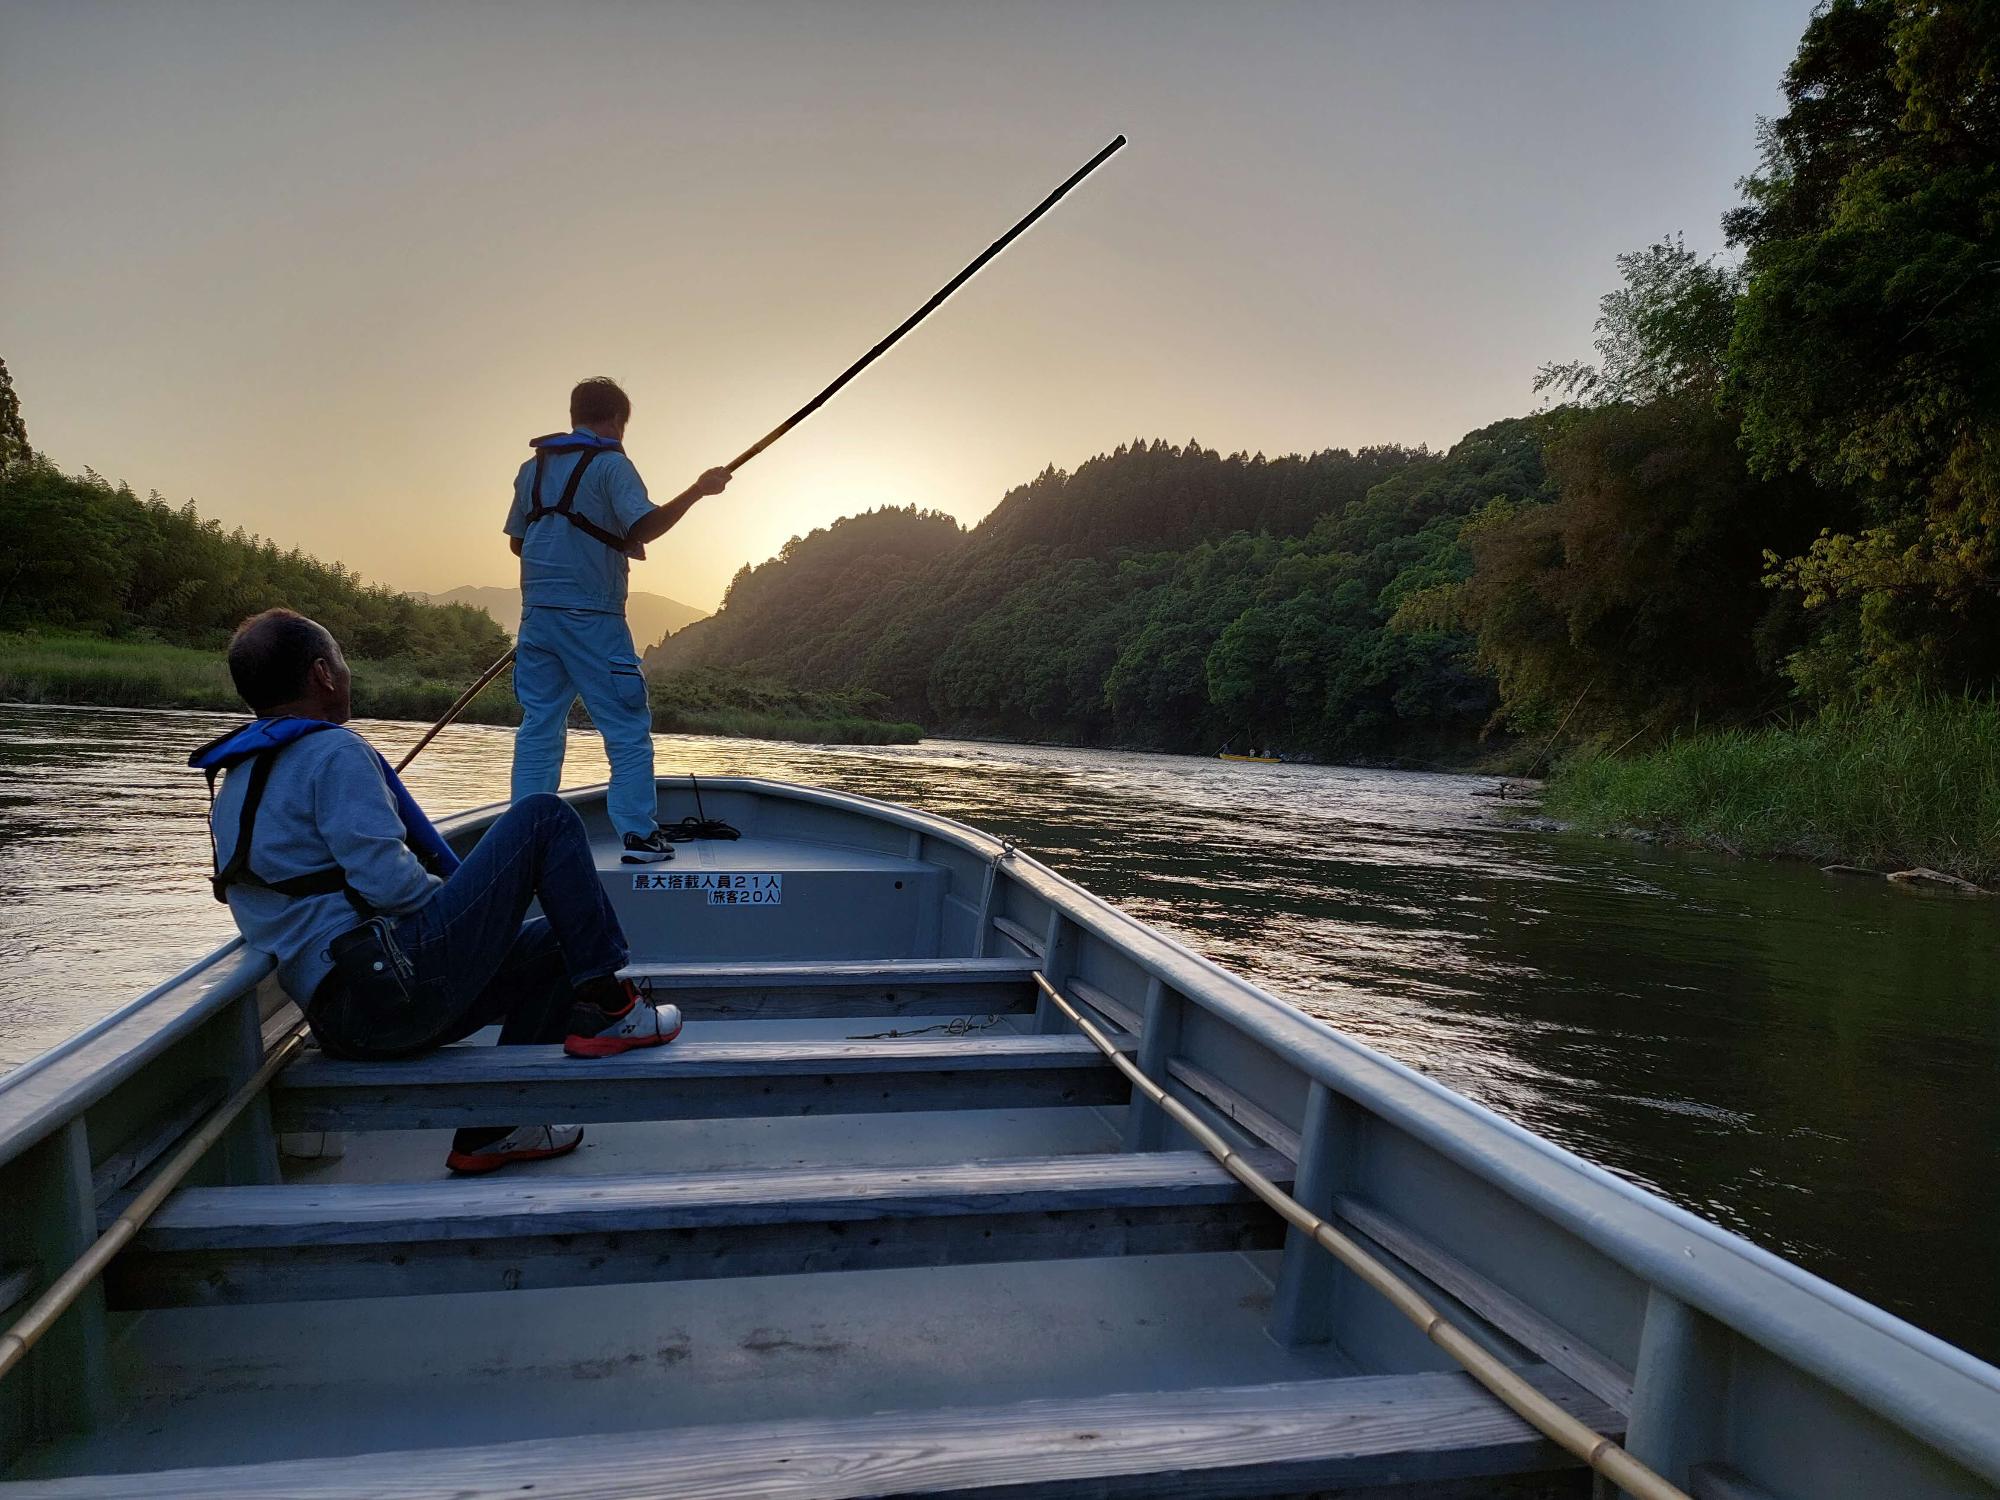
(960, 1251)
(1259, 760)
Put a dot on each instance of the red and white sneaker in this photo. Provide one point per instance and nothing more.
(641, 1024)
(529, 1143)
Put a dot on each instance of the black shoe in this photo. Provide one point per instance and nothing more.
(648, 850)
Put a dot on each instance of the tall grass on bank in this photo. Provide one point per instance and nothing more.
(112, 674)
(51, 668)
(1886, 787)
(146, 674)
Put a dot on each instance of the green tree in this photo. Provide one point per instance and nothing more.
(1635, 598)
(1866, 352)
(13, 431)
(66, 562)
(1664, 333)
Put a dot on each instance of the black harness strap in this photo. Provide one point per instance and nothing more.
(238, 872)
(565, 505)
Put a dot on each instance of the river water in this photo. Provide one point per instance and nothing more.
(1806, 1059)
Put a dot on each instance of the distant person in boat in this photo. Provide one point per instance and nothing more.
(389, 944)
(580, 515)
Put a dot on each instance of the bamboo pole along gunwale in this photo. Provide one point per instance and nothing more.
(46, 1309)
(1576, 1438)
(459, 705)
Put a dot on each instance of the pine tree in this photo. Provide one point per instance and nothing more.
(13, 431)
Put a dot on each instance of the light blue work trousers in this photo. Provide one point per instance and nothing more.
(559, 655)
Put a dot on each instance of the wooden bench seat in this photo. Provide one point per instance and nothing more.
(277, 1244)
(696, 1081)
(1411, 1435)
(876, 987)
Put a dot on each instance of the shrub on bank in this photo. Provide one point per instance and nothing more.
(1887, 787)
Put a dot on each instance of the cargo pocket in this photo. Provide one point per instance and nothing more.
(628, 685)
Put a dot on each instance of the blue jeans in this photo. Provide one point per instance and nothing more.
(473, 959)
(559, 654)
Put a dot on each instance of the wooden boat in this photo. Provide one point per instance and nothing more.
(1261, 760)
(888, 1220)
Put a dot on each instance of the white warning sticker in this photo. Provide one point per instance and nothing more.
(723, 887)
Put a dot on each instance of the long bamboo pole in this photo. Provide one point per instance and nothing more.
(937, 299)
(929, 307)
(43, 1313)
(1577, 1438)
(458, 706)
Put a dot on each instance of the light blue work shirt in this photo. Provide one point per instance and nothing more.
(563, 567)
(325, 805)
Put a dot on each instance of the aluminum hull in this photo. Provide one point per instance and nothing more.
(882, 1224)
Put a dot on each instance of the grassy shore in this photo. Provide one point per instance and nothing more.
(144, 674)
(1886, 788)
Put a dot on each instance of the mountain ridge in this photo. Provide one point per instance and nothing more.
(653, 616)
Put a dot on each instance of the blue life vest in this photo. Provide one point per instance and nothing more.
(260, 742)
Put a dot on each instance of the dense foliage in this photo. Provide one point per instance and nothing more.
(1866, 348)
(1634, 601)
(84, 555)
(1159, 595)
(1779, 485)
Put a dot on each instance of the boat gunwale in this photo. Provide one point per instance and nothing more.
(1895, 1379)
(28, 1125)
(1730, 1292)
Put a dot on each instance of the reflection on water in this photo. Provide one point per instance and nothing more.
(1807, 1060)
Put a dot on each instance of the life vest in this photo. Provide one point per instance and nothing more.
(589, 447)
(259, 743)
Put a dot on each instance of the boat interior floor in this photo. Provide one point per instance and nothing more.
(243, 1384)
(854, 1198)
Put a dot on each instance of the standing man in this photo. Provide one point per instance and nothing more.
(580, 514)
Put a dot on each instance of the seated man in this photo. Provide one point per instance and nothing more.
(388, 943)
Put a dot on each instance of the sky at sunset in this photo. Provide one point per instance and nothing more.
(326, 268)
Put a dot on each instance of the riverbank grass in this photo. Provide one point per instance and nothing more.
(109, 673)
(1886, 788)
(112, 674)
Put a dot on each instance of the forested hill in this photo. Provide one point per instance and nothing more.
(1160, 595)
(87, 557)
(784, 615)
